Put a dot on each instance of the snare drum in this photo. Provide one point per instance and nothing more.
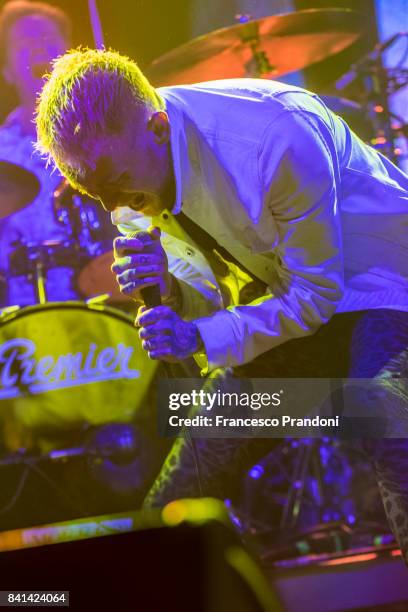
(63, 365)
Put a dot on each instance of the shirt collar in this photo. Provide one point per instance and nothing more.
(179, 149)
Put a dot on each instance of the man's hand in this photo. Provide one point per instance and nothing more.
(165, 335)
(140, 265)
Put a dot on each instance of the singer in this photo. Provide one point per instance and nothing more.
(283, 237)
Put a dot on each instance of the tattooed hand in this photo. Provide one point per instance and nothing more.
(139, 265)
(165, 335)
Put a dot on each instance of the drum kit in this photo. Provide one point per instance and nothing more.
(73, 363)
(70, 364)
(74, 380)
(87, 251)
(263, 48)
(275, 46)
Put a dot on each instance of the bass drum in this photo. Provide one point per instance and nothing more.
(64, 365)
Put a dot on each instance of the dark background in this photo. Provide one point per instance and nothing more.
(144, 29)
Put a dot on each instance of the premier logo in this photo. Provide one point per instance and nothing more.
(21, 373)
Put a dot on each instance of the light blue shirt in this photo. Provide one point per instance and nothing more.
(283, 184)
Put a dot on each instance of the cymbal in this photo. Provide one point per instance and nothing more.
(96, 278)
(267, 48)
(18, 188)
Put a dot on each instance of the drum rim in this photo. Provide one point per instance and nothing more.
(69, 304)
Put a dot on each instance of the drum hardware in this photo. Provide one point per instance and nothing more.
(87, 239)
(98, 299)
(378, 83)
(78, 215)
(38, 277)
(259, 64)
(319, 494)
(321, 473)
(29, 462)
(327, 538)
(300, 484)
(33, 260)
(311, 456)
(115, 442)
(85, 224)
(96, 278)
(268, 47)
(372, 63)
(61, 203)
(7, 311)
(18, 188)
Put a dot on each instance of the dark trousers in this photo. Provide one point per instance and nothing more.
(367, 344)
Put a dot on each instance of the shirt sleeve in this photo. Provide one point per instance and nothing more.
(298, 179)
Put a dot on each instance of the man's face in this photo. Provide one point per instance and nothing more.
(32, 43)
(133, 168)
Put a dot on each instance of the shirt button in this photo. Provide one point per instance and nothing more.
(189, 252)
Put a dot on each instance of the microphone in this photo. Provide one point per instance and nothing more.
(151, 295)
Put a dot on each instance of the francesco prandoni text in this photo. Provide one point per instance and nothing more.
(280, 421)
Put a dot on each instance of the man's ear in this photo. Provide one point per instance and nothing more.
(159, 124)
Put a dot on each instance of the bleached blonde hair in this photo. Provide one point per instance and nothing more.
(89, 93)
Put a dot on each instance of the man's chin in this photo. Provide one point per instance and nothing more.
(152, 207)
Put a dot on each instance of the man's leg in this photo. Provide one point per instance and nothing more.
(218, 463)
(379, 350)
(206, 466)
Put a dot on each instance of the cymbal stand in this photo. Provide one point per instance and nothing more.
(379, 83)
(259, 64)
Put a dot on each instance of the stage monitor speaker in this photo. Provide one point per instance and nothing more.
(182, 559)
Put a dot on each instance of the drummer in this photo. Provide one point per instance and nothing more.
(32, 34)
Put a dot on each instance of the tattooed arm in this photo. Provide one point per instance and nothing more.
(166, 336)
